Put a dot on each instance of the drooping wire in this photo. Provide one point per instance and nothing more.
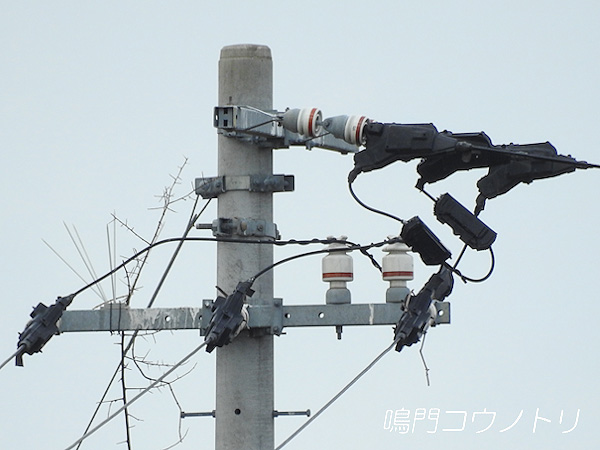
(349, 248)
(453, 268)
(464, 278)
(233, 240)
(137, 397)
(337, 396)
(370, 208)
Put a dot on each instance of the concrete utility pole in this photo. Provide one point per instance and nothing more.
(245, 184)
(245, 382)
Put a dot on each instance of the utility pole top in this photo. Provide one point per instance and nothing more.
(245, 51)
(246, 76)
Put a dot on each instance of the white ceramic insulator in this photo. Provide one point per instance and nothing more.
(398, 264)
(309, 122)
(338, 265)
(354, 130)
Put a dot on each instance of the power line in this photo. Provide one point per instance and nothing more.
(336, 396)
(351, 247)
(193, 218)
(137, 397)
(370, 208)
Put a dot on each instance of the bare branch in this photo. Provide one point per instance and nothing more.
(124, 393)
(129, 228)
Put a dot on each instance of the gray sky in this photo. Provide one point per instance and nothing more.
(101, 103)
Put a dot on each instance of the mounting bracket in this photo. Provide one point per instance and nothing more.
(214, 186)
(226, 227)
(265, 129)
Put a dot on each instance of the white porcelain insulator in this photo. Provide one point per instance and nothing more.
(338, 265)
(398, 264)
(309, 122)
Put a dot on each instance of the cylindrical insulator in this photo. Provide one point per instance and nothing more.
(398, 263)
(306, 122)
(349, 128)
(337, 271)
(397, 268)
(354, 131)
(337, 265)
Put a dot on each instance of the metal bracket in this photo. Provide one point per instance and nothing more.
(264, 128)
(183, 415)
(225, 227)
(272, 318)
(214, 186)
(443, 313)
(119, 317)
(291, 413)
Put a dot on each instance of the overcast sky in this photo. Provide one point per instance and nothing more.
(99, 106)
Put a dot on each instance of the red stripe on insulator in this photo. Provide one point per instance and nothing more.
(338, 275)
(358, 128)
(310, 121)
(398, 274)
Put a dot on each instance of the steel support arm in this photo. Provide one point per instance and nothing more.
(275, 318)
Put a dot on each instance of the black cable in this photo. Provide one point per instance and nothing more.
(464, 278)
(231, 240)
(462, 253)
(376, 211)
(349, 248)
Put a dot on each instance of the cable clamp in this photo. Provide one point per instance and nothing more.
(225, 227)
(214, 186)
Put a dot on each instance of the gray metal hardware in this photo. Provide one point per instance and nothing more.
(264, 128)
(212, 413)
(291, 413)
(443, 313)
(118, 317)
(214, 186)
(225, 227)
(274, 318)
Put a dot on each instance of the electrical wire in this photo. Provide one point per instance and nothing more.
(19, 350)
(337, 396)
(192, 220)
(239, 241)
(464, 278)
(350, 248)
(377, 211)
(137, 397)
